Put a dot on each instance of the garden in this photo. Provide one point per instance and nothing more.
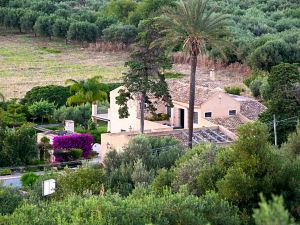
(49, 106)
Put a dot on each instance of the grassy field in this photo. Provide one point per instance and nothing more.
(26, 61)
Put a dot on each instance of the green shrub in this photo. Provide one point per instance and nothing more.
(171, 75)
(272, 213)
(120, 33)
(255, 86)
(5, 172)
(76, 153)
(139, 208)
(13, 145)
(234, 90)
(10, 199)
(29, 179)
(79, 181)
(82, 31)
(51, 93)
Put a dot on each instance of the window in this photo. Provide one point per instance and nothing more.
(232, 112)
(196, 117)
(169, 111)
(208, 115)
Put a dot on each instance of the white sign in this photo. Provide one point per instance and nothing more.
(49, 187)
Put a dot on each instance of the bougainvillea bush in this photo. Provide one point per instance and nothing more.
(79, 141)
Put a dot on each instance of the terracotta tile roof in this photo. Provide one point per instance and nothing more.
(179, 90)
(250, 108)
(231, 123)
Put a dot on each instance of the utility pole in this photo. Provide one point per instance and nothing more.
(275, 130)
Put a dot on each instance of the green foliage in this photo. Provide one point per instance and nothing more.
(103, 23)
(80, 114)
(272, 213)
(162, 180)
(87, 91)
(120, 33)
(4, 172)
(170, 75)
(76, 153)
(15, 114)
(120, 9)
(43, 26)
(258, 86)
(293, 143)
(12, 18)
(191, 165)
(79, 181)
(18, 147)
(28, 20)
(234, 90)
(10, 199)
(152, 153)
(51, 93)
(140, 176)
(139, 208)
(252, 166)
(42, 109)
(82, 31)
(29, 179)
(60, 28)
(144, 77)
(281, 100)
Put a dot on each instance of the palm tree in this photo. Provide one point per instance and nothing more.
(197, 25)
(90, 90)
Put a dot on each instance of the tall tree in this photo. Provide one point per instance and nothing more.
(144, 80)
(90, 90)
(197, 25)
(281, 99)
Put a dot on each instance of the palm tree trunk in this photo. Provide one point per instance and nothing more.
(142, 111)
(192, 99)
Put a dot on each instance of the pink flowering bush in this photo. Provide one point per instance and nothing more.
(68, 142)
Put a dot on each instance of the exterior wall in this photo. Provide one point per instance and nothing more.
(112, 141)
(116, 124)
(219, 105)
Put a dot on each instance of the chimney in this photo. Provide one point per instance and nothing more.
(212, 75)
(69, 125)
(94, 109)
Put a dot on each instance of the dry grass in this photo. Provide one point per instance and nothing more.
(26, 62)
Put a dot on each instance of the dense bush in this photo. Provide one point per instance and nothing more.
(18, 147)
(80, 141)
(60, 28)
(10, 199)
(41, 110)
(82, 31)
(43, 26)
(139, 208)
(272, 213)
(80, 114)
(233, 90)
(120, 33)
(152, 153)
(29, 179)
(281, 99)
(51, 93)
